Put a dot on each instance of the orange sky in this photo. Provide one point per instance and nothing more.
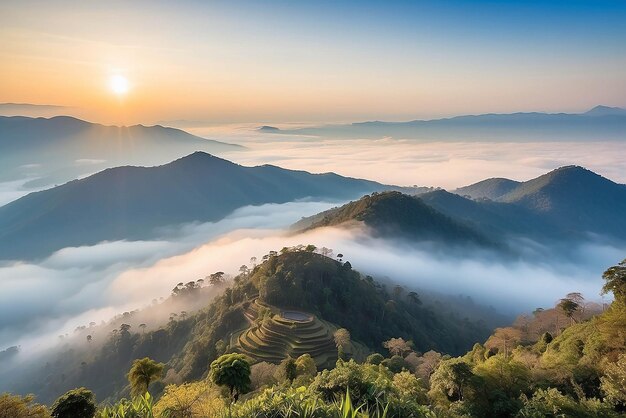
(213, 62)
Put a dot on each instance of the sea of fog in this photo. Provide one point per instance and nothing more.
(75, 286)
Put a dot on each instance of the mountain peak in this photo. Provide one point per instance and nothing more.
(571, 171)
(268, 128)
(491, 188)
(602, 110)
(395, 214)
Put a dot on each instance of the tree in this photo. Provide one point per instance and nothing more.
(409, 387)
(326, 252)
(614, 381)
(216, 279)
(89, 338)
(395, 364)
(340, 257)
(375, 359)
(76, 403)
(232, 371)
(342, 339)
(305, 365)
(414, 297)
(504, 375)
(143, 328)
(15, 406)
(504, 339)
(429, 363)
(569, 307)
(615, 281)
(398, 291)
(143, 372)
(263, 374)
(288, 370)
(450, 379)
(196, 399)
(398, 347)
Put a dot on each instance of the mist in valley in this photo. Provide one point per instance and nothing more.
(54, 304)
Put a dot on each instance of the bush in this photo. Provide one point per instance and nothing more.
(76, 403)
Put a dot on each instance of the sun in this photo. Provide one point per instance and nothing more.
(118, 84)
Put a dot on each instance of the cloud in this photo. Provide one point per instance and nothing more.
(78, 285)
(89, 161)
(14, 189)
(407, 162)
(42, 300)
(510, 285)
(31, 109)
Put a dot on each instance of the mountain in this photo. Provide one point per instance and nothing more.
(396, 215)
(62, 148)
(564, 203)
(606, 111)
(491, 188)
(131, 202)
(296, 279)
(496, 220)
(268, 129)
(574, 198)
(605, 123)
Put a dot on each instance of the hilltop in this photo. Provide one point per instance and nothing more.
(396, 215)
(298, 279)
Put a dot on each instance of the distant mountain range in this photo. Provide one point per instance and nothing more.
(131, 202)
(59, 149)
(569, 203)
(599, 123)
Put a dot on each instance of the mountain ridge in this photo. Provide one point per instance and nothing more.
(519, 126)
(54, 150)
(129, 202)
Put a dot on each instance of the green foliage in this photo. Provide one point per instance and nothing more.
(614, 382)
(15, 406)
(550, 403)
(288, 370)
(396, 364)
(306, 366)
(76, 403)
(139, 407)
(232, 371)
(336, 293)
(615, 281)
(189, 400)
(143, 372)
(450, 381)
(375, 359)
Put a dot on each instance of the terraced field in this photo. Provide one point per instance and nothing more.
(276, 337)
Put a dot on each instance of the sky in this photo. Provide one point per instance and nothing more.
(323, 61)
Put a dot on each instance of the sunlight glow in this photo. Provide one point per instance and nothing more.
(118, 84)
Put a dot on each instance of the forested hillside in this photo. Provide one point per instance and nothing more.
(565, 361)
(296, 278)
